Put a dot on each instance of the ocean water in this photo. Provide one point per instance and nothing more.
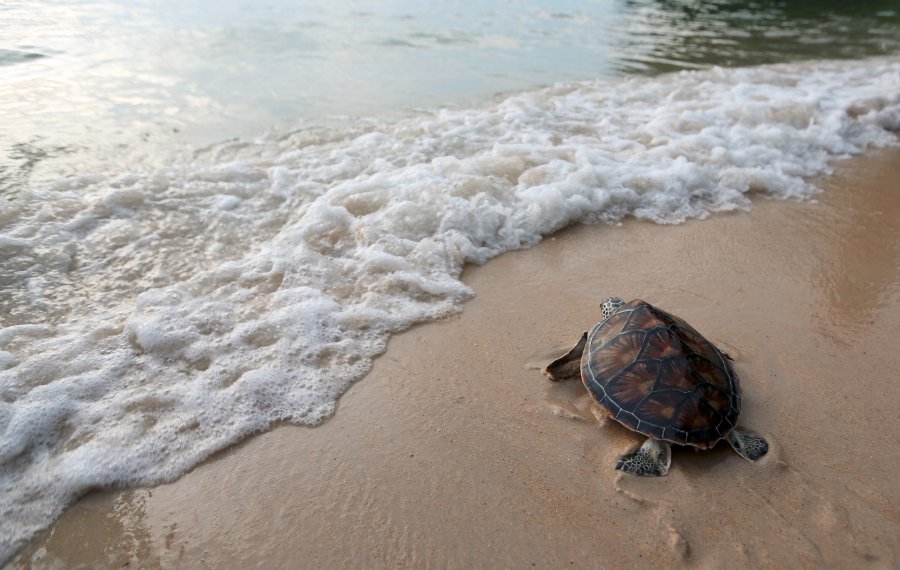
(214, 215)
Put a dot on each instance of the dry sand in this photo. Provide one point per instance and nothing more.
(457, 452)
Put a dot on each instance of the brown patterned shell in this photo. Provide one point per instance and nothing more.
(660, 377)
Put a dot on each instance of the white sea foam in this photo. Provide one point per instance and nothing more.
(156, 317)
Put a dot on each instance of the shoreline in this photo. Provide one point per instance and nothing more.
(456, 451)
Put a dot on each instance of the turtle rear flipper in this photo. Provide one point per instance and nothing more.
(748, 446)
(569, 364)
(652, 459)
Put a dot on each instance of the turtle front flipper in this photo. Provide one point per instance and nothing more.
(652, 459)
(569, 364)
(748, 446)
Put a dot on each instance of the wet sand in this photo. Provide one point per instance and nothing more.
(457, 452)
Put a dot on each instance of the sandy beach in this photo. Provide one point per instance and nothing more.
(456, 451)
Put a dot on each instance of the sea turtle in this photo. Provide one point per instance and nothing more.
(656, 375)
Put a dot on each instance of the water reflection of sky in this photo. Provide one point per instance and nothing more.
(98, 80)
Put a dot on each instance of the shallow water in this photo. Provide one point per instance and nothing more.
(102, 85)
(164, 293)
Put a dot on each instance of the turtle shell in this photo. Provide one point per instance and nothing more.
(656, 375)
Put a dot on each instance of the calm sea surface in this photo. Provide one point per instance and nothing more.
(88, 85)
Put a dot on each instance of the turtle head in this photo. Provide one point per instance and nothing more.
(610, 306)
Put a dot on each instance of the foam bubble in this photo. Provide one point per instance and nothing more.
(156, 317)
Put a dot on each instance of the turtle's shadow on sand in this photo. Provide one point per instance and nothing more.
(696, 462)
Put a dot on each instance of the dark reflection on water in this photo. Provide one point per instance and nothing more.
(125, 81)
(12, 56)
(666, 35)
